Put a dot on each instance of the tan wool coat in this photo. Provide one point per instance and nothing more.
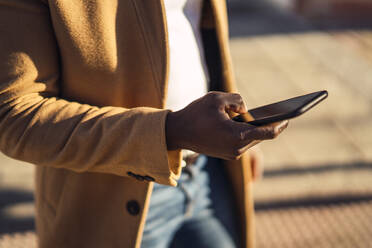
(82, 89)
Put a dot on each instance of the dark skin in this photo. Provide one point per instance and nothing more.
(204, 126)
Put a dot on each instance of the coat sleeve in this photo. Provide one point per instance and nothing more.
(39, 127)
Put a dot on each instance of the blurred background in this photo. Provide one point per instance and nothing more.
(317, 187)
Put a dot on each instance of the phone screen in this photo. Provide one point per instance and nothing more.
(283, 110)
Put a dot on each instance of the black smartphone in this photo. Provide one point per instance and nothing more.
(282, 110)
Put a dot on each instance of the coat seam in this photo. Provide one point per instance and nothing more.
(148, 49)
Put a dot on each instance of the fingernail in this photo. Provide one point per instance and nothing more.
(283, 125)
(245, 107)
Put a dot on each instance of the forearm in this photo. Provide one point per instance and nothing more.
(80, 137)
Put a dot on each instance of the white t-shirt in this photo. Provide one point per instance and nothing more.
(188, 76)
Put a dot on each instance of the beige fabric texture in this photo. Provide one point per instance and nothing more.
(82, 89)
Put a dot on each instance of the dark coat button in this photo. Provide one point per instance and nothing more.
(139, 177)
(148, 178)
(133, 207)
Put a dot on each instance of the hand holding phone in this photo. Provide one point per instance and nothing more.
(204, 126)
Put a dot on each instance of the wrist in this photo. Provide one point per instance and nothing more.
(172, 131)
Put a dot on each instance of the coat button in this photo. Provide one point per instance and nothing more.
(140, 178)
(133, 207)
(131, 174)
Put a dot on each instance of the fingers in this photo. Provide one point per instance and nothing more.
(229, 102)
(267, 132)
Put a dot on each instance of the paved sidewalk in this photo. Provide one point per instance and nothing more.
(335, 138)
(317, 189)
(337, 225)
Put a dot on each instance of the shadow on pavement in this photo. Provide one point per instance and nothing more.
(296, 170)
(253, 18)
(312, 202)
(9, 224)
(345, 196)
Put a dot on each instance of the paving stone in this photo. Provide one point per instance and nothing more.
(321, 135)
(18, 240)
(16, 174)
(318, 171)
(258, 78)
(279, 67)
(19, 210)
(319, 182)
(360, 42)
(344, 226)
(361, 135)
(353, 70)
(321, 145)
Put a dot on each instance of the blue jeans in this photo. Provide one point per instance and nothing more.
(197, 213)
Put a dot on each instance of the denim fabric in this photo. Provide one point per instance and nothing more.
(197, 213)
